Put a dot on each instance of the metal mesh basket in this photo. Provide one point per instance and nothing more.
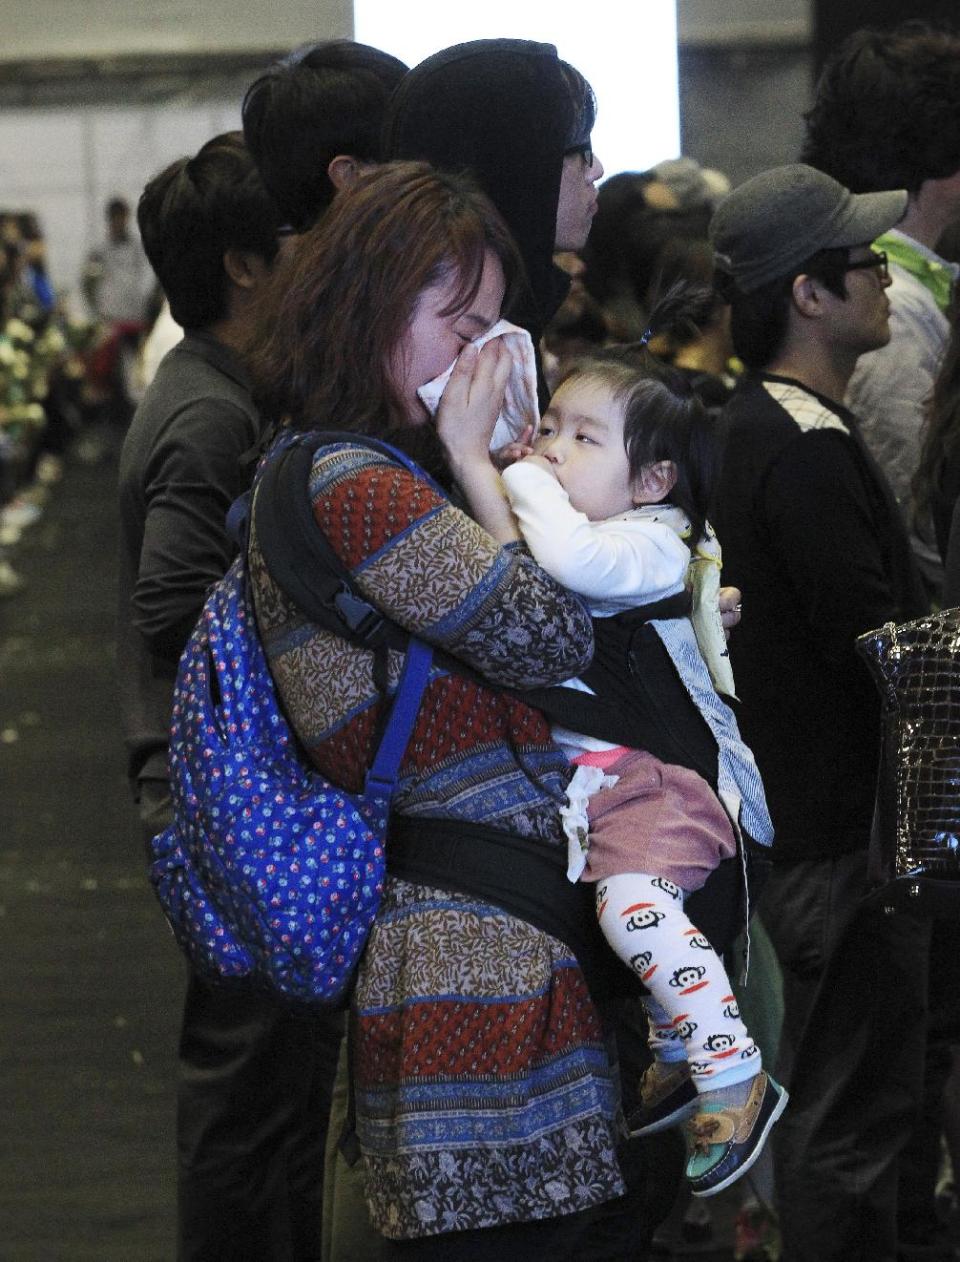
(915, 848)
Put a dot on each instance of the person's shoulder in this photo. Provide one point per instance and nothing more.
(350, 450)
(191, 396)
(908, 292)
(760, 406)
(660, 526)
(914, 316)
(197, 365)
(340, 458)
(779, 426)
(808, 412)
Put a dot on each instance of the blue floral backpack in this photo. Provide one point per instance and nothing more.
(270, 873)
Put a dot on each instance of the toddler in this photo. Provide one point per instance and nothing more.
(611, 499)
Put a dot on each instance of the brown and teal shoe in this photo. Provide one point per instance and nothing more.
(667, 1098)
(729, 1130)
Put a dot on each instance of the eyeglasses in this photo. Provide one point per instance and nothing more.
(585, 152)
(877, 259)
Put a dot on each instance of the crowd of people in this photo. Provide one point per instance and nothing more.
(678, 447)
(68, 377)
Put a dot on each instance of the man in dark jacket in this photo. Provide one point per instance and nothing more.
(253, 1094)
(811, 533)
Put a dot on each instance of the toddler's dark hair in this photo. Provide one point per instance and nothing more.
(663, 418)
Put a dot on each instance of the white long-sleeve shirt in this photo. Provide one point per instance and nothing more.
(890, 389)
(890, 386)
(628, 560)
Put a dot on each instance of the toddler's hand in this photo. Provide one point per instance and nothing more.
(731, 605)
(510, 453)
(542, 463)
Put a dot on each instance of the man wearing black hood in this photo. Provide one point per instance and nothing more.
(519, 119)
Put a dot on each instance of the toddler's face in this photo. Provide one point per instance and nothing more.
(581, 438)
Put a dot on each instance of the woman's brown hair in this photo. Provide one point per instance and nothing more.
(337, 307)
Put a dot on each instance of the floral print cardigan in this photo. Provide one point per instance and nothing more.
(484, 1093)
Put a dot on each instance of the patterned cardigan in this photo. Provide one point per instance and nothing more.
(484, 1092)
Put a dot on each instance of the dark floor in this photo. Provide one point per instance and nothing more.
(90, 995)
(91, 986)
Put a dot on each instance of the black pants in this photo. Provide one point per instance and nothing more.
(252, 1106)
(253, 1101)
(852, 1054)
(919, 1233)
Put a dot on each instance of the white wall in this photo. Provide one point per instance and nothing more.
(65, 164)
(84, 28)
(634, 75)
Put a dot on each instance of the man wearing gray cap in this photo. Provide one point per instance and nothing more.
(812, 535)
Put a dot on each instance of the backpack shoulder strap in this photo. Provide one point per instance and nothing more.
(382, 776)
(294, 547)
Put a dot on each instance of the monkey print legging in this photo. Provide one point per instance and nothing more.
(691, 1009)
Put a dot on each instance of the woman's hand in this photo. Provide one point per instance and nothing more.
(471, 404)
(466, 418)
(731, 606)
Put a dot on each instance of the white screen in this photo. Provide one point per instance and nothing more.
(628, 52)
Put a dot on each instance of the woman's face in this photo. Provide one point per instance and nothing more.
(432, 341)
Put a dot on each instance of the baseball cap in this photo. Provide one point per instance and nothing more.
(778, 219)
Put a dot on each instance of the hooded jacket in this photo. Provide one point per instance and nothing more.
(501, 109)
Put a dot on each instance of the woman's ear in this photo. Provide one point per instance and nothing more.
(655, 482)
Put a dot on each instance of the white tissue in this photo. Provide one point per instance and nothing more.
(520, 400)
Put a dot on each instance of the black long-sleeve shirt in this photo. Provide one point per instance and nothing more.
(181, 468)
(811, 534)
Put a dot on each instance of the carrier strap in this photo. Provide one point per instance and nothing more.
(526, 878)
